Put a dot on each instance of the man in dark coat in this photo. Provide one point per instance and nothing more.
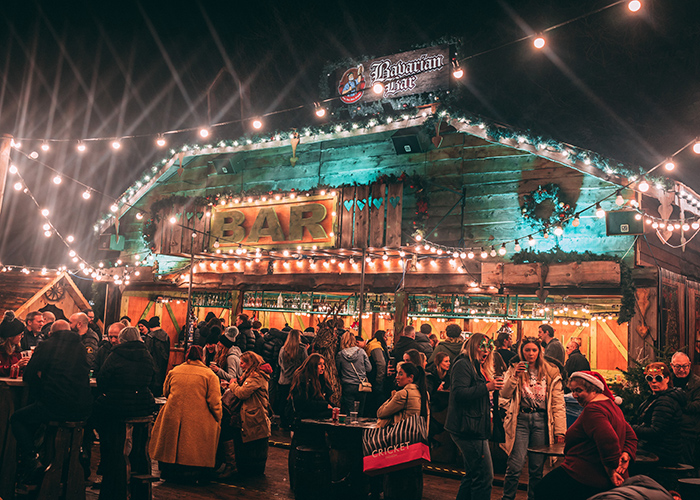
(106, 346)
(451, 346)
(246, 337)
(79, 323)
(270, 346)
(551, 344)
(32, 335)
(423, 340)
(158, 345)
(406, 341)
(577, 362)
(690, 425)
(57, 376)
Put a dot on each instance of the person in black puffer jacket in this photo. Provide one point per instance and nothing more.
(659, 417)
(270, 346)
(124, 392)
(246, 338)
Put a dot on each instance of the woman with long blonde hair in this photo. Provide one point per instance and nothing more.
(536, 415)
(291, 357)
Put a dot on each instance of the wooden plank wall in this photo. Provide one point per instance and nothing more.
(495, 179)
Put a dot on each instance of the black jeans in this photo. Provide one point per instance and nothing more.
(25, 423)
(351, 393)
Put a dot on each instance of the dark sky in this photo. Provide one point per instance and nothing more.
(624, 85)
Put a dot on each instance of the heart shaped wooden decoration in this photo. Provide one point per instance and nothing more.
(437, 141)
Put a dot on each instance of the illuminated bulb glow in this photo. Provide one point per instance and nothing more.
(643, 186)
(634, 5)
(203, 132)
(378, 88)
(160, 142)
(669, 165)
(539, 42)
(599, 212)
(696, 148)
(81, 147)
(13, 169)
(116, 145)
(45, 212)
(257, 124)
(18, 186)
(57, 180)
(86, 195)
(114, 208)
(458, 73)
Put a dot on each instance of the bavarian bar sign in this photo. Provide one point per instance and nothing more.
(415, 72)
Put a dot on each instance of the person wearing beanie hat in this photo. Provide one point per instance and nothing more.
(227, 364)
(10, 336)
(600, 444)
(210, 347)
(143, 327)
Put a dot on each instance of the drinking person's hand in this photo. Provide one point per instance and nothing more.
(214, 367)
(441, 387)
(520, 367)
(23, 361)
(495, 385)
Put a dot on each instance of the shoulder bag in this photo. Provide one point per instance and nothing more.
(365, 386)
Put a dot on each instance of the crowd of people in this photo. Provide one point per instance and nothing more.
(221, 401)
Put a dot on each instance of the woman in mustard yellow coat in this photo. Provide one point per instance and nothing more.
(186, 432)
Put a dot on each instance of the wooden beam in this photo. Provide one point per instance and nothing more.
(598, 273)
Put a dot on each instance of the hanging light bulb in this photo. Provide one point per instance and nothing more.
(81, 147)
(45, 212)
(203, 132)
(319, 110)
(18, 186)
(634, 5)
(114, 208)
(160, 141)
(457, 71)
(493, 251)
(70, 239)
(531, 241)
(46, 227)
(257, 124)
(599, 212)
(685, 227)
(669, 165)
(116, 144)
(643, 186)
(576, 221)
(696, 147)
(378, 88)
(173, 220)
(470, 255)
(57, 180)
(619, 200)
(86, 194)
(139, 216)
(484, 254)
(45, 146)
(695, 225)
(558, 230)
(216, 243)
(539, 42)
(517, 247)
(385, 256)
(502, 251)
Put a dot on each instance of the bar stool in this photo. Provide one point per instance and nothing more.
(129, 465)
(669, 475)
(64, 475)
(690, 487)
(310, 477)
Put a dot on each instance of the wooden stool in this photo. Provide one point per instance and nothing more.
(64, 474)
(690, 487)
(128, 466)
(669, 475)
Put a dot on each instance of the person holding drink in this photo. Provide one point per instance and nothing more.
(536, 415)
(469, 417)
(11, 358)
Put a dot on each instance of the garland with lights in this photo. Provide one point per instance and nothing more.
(562, 211)
(558, 256)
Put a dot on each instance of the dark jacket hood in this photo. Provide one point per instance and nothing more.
(275, 333)
(132, 351)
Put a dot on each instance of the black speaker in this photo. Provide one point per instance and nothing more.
(223, 166)
(623, 223)
(406, 144)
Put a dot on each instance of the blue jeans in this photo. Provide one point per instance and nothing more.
(478, 468)
(529, 432)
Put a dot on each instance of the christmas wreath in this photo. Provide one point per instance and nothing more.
(562, 211)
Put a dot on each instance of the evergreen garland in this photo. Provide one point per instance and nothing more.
(561, 214)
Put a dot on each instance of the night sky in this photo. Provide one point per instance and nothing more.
(624, 85)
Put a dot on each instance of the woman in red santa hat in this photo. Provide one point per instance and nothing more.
(599, 445)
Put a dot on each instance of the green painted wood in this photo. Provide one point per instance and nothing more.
(172, 316)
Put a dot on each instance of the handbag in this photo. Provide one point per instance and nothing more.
(232, 408)
(364, 386)
(395, 447)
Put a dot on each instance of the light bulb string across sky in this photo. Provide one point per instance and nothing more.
(115, 139)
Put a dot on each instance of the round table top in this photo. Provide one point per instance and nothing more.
(552, 450)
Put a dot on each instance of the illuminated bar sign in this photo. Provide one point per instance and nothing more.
(304, 221)
(415, 72)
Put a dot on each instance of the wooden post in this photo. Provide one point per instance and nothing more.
(401, 315)
(361, 302)
(188, 319)
(5, 148)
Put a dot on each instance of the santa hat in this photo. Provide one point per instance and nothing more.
(597, 380)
